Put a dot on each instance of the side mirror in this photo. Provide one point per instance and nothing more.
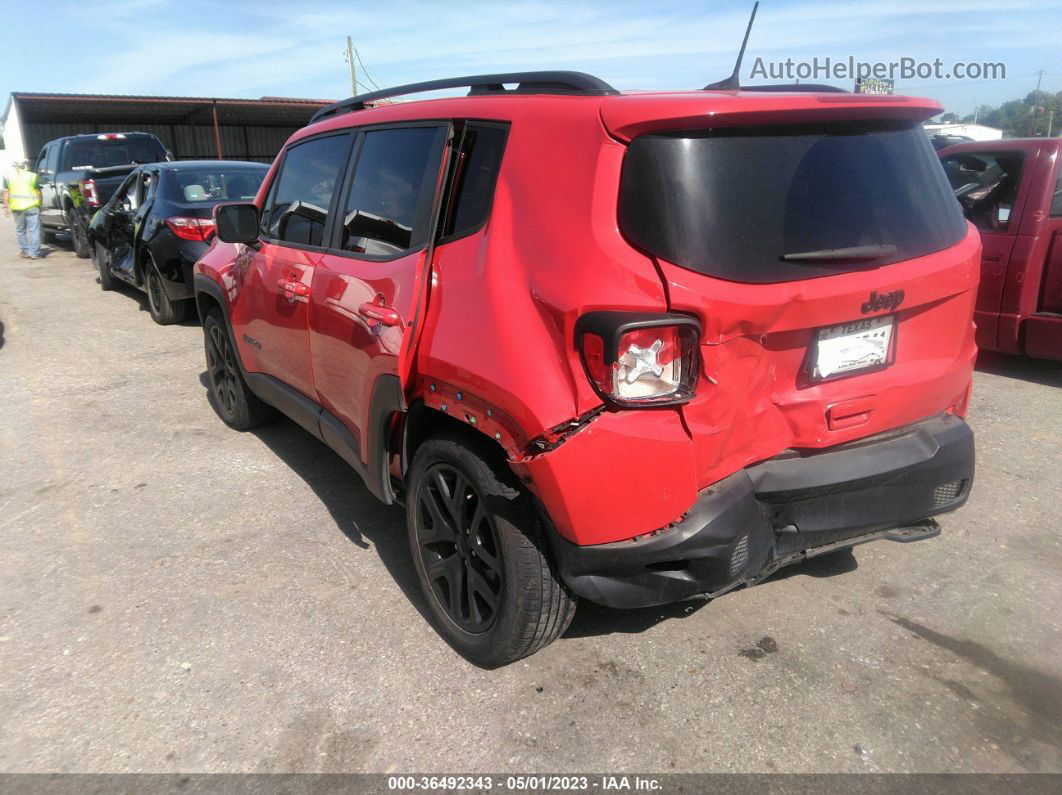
(236, 222)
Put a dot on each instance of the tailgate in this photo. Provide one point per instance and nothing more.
(107, 180)
(830, 267)
(759, 394)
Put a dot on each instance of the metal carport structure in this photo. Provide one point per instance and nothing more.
(191, 128)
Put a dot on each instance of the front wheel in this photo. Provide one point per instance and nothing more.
(78, 235)
(102, 259)
(482, 556)
(229, 394)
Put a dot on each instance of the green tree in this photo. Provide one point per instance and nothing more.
(1020, 117)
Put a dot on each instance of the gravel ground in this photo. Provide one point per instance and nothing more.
(176, 596)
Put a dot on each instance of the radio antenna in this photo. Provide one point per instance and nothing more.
(733, 83)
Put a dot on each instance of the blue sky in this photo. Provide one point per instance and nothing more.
(242, 48)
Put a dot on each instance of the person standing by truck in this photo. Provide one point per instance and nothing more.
(22, 198)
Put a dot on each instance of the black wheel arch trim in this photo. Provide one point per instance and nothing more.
(388, 399)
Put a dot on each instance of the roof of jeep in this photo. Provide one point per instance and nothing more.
(629, 114)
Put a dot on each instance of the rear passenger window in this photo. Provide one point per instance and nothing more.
(476, 172)
(389, 205)
(303, 192)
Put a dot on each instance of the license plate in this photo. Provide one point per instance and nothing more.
(849, 347)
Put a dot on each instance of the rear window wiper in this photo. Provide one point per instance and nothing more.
(848, 254)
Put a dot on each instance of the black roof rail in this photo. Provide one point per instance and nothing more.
(550, 82)
(816, 88)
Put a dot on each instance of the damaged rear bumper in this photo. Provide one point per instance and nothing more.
(781, 511)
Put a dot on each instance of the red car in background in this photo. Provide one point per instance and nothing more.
(1011, 190)
(634, 348)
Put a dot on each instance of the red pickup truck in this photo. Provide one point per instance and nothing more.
(1012, 192)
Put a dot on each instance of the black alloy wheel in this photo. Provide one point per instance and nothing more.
(458, 546)
(221, 367)
(229, 395)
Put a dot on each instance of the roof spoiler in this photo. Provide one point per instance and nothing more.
(548, 82)
(813, 88)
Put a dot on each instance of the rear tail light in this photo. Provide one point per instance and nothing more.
(637, 360)
(111, 137)
(89, 192)
(191, 228)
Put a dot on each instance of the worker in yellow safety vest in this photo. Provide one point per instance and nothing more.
(22, 198)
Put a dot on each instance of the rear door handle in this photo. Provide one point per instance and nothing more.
(380, 313)
(293, 287)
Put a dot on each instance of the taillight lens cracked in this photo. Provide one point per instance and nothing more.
(653, 365)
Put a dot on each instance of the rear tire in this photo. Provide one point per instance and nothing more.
(229, 394)
(162, 309)
(78, 235)
(482, 555)
(101, 261)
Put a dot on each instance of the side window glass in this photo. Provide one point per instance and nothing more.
(387, 210)
(147, 186)
(986, 186)
(303, 192)
(475, 174)
(42, 161)
(1056, 200)
(125, 197)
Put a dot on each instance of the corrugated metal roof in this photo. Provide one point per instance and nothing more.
(42, 108)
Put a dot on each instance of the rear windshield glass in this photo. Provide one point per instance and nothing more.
(214, 184)
(772, 204)
(94, 153)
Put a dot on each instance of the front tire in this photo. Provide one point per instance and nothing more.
(482, 556)
(101, 260)
(78, 235)
(161, 307)
(229, 394)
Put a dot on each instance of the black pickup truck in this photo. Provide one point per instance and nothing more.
(78, 174)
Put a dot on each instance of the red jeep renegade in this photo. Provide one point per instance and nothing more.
(634, 348)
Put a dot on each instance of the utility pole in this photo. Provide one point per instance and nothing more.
(350, 61)
(1036, 105)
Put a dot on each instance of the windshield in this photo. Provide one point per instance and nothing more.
(90, 153)
(776, 204)
(215, 184)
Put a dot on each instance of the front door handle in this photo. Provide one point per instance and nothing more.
(293, 287)
(371, 310)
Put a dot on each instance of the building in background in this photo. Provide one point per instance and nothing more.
(192, 128)
(975, 132)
